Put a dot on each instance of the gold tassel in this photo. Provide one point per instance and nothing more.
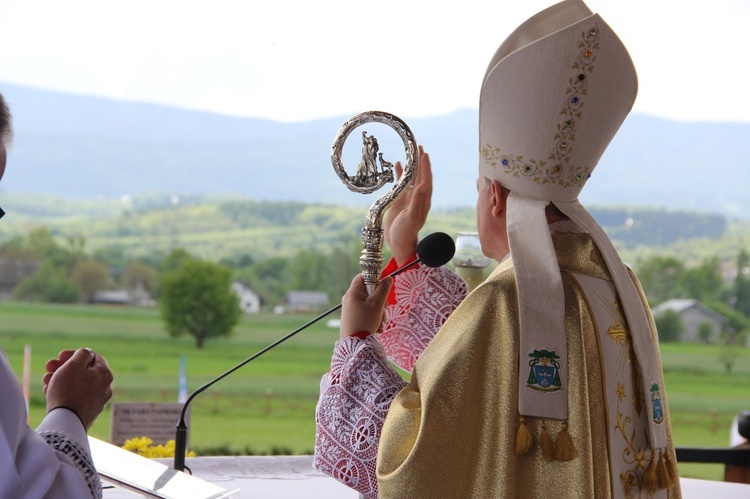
(524, 440)
(566, 451)
(548, 446)
(671, 468)
(662, 475)
(650, 481)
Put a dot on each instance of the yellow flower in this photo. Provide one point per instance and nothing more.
(143, 447)
(137, 444)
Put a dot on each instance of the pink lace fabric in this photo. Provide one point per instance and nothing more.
(356, 393)
(425, 298)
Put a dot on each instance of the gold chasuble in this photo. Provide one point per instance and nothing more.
(452, 431)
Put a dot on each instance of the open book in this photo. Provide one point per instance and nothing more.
(149, 478)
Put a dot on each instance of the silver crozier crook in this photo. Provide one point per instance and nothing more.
(372, 173)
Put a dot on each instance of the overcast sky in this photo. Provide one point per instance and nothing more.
(296, 60)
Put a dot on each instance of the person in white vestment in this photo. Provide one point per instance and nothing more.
(53, 461)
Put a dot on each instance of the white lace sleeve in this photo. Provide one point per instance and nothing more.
(357, 392)
(354, 400)
(78, 456)
(53, 462)
(425, 298)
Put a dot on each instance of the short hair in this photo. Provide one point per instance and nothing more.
(551, 209)
(6, 125)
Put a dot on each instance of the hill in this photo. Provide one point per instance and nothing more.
(232, 227)
(82, 147)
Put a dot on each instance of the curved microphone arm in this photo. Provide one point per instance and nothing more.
(180, 442)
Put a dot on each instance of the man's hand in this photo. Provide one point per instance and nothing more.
(363, 312)
(79, 380)
(407, 215)
(53, 365)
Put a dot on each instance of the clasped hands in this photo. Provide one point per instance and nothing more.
(78, 380)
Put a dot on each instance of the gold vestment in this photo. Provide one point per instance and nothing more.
(452, 431)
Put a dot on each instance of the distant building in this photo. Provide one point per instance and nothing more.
(694, 315)
(140, 297)
(306, 301)
(111, 297)
(250, 301)
(137, 296)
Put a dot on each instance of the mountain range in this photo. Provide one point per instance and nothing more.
(80, 147)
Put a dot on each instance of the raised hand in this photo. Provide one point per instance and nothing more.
(407, 215)
(79, 380)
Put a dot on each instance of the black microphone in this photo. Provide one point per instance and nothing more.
(435, 250)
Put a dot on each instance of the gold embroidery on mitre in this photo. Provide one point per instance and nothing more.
(557, 168)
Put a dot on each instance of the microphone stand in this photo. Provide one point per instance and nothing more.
(180, 441)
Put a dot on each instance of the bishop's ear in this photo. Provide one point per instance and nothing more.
(499, 198)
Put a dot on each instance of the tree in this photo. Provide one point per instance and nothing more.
(661, 278)
(90, 276)
(308, 270)
(76, 248)
(41, 241)
(705, 332)
(704, 282)
(343, 265)
(139, 273)
(197, 299)
(175, 259)
(14, 246)
(742, 283)
(113, 256)
(43, 244)
(238, 261)
(730, 351)
(735, 319)
(140, 282)
(669, 326)
(48, 284)
(268, 278)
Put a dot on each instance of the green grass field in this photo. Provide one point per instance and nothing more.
(268, 406)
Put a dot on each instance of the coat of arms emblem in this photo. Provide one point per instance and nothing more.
(545, 371)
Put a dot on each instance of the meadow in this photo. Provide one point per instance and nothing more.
(268, 406)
